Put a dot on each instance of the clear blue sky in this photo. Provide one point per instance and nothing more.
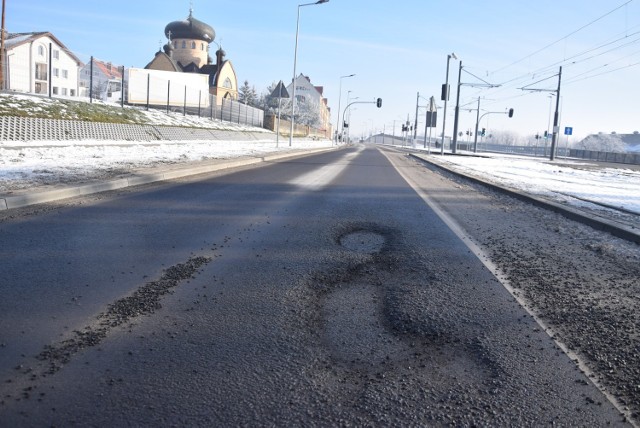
(396, 49)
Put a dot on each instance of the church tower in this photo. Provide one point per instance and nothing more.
(190, 39)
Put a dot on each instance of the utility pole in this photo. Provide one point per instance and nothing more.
(454, 143)
(556, 117)
(475, 141)
(415, 125)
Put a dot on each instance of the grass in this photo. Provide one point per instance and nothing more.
(49, 108)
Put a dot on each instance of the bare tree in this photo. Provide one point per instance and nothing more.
(507, 138)
(602, 143)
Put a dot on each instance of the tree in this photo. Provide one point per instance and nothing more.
(507, 138)
(308, 113)
(270, 103)
(247, 94)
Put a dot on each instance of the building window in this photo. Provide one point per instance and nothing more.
(41, 71)
(184, 44)
(41, 50)
(56, 72)
(55, 90)
(73, 92)
(64, 91)
(56, 54)
(201, 46)
(193, 45)
(227, 83)
(65, 74)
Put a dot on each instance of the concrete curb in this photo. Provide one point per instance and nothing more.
(619, 230)
(20, 201)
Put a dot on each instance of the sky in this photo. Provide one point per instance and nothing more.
(396, 50)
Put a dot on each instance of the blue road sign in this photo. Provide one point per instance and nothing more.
(568, 130)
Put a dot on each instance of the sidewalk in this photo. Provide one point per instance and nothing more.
(117, 180)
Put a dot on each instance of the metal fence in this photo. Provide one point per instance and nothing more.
(108, 83)
(626, 158)
(534, 151)
(545, 151)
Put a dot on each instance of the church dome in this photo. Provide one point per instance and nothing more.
(190, 28)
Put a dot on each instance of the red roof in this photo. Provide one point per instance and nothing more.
(108, 69)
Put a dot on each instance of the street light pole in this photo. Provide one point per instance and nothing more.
(2, 66)
(295, 62)
(338, 132)
(445, 97)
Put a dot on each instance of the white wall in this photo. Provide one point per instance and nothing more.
(197, 87)
(22, 61)
(19, 69)
(306, 89)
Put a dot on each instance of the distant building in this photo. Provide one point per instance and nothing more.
(39, 63)
(188, 52)
(107, 81)
(613, 142)
(306, 92)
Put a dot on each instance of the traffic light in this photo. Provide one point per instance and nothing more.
(546, 134)
(444, 96)
(510, 112)
(483, 131)
(379, 102)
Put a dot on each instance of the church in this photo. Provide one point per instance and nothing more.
(187, 51)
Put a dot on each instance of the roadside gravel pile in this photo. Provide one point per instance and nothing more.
(144, 301)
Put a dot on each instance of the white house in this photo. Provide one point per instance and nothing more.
(312, 95)
(38, 63)
(107, 81)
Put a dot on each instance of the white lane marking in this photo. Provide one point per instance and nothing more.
(319, 178)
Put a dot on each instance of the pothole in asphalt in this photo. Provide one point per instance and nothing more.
(363, 242)
(354, 328)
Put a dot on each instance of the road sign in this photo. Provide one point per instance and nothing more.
(568, 130)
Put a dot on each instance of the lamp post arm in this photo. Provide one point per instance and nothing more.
(352, 103)
(475, 145)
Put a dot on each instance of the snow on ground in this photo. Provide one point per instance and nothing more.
(573, 182)
(38, 163)
(579, 183)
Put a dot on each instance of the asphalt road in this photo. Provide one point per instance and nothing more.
(317, 291)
